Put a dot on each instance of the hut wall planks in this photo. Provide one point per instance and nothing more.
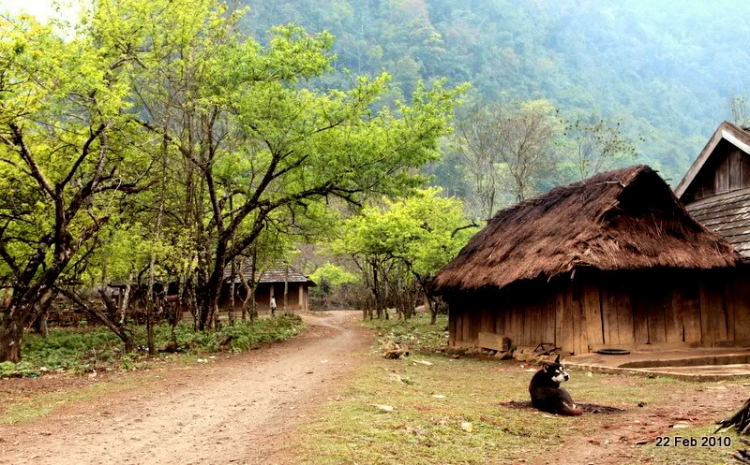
(613, 309)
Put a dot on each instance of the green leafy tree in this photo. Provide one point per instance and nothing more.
(220, 98)
(331, 280)
(69, 156)
(414, 238)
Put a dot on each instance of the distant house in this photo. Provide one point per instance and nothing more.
(716, 188)
(614, 261)
(271, 282)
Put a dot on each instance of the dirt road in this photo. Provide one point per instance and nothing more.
(231, 411)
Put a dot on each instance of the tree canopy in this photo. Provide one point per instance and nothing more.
(160, 127)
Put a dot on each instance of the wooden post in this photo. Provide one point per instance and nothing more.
(742, 306)
(286, 289)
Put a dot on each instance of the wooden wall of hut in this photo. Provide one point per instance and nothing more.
(623, 309)
(728, 169)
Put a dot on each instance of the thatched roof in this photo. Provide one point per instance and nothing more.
(627, 219)
(276, 272)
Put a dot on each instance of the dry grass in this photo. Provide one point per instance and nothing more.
(425, 429)
(431, 402)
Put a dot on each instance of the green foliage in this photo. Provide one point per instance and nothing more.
(229, 142)
(330, 280)
(423, 231)
(334, 275)
(399, 246)
(243, 335)
(67, 147)
(80, 351)
(666, 69)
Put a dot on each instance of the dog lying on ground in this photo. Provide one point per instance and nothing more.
(546, 393)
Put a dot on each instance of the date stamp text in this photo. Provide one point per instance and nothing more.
(690, 441)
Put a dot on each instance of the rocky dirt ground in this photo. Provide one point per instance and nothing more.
(233, 410)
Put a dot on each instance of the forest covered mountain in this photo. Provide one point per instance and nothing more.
(667, 69)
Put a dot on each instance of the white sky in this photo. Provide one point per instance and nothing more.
(43, 9)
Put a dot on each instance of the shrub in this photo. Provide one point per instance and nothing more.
(83, 350)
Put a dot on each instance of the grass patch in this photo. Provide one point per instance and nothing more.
(433, 403)
(417, 332)
(89, 349)
(426, 428)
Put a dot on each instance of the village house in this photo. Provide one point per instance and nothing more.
(716, 188)
(272, 280)
(615, 261)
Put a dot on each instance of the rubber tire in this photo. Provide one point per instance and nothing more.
(613, 352)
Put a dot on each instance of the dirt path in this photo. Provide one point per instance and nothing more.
(235, 410)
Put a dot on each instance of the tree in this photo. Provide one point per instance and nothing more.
(219, 98)
(412, 238)
(740, 110)
(508, 150)
(595, 146)
(233, 137)
(331, 280)
(478, 141)
(69, 158)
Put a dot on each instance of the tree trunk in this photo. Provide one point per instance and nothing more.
(39, 320)
(213, 289)
(232, 286)
(119, 331)
(178, 304)
(19, 314)
(253, 287)
(433, 311)
(11, 336)
(194, 305)
(232, 289)
(375, 290)
(150, 308)
(249, 290)
(150, 305)
(126, 297)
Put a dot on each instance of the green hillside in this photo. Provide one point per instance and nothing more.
(666, 68)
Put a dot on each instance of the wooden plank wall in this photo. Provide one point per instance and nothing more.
(709, 309)
(728, 169)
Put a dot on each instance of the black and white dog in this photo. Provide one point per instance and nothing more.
(546, 393)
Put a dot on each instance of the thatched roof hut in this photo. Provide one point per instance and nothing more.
(277, 280)
(557, 263)
(625, 219)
